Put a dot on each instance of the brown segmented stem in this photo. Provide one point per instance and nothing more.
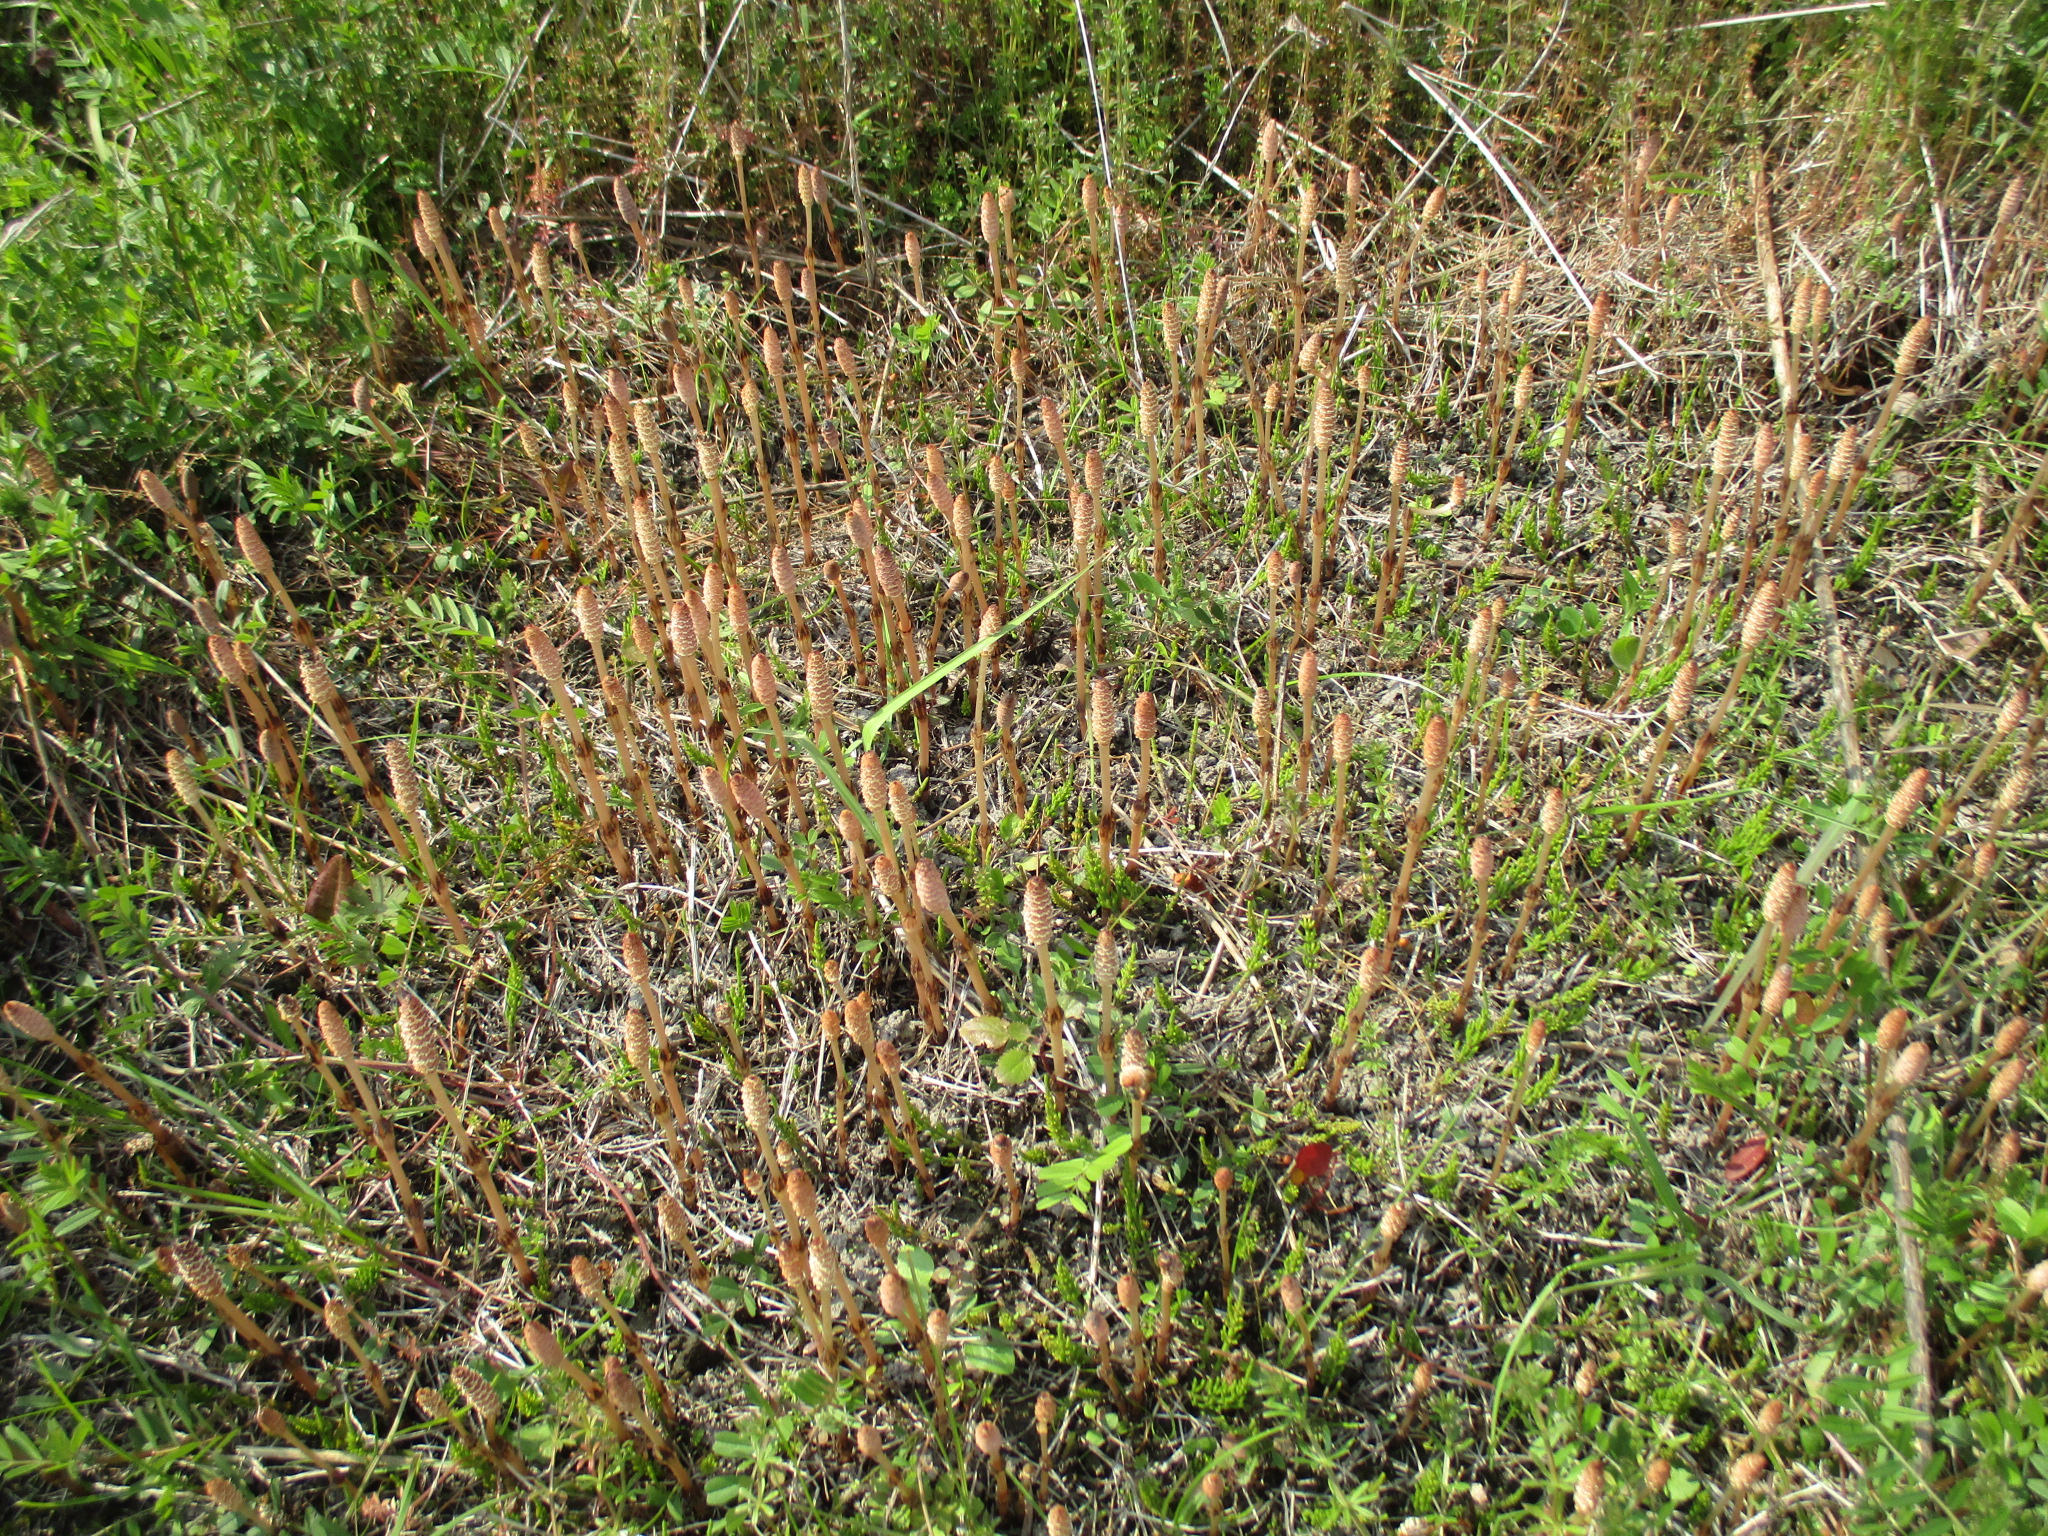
(1091, 206)
(1371, 971)
(1102, 729)
(1524, 387)
(257, 553)
(2007, 1082)
(640, 970)
(170, 1146)
(203, 542)
(889, 876)
(1306, 680)
(405, 787)
(991, 626)
(675, 1226)
(1904, 802)
(420, 1034)
(1108, 966)
(542, 1344)
(1756, 628)
(587, 1282)
(1677, 709)
(1262, 725)
(1038, 926)
(891, 1062)
(1145, 727)
(860, 1025)
(185, 784)
(1341, 748)
(903, 812)
(547, 662)
(1552, 821)
(334, 710)
(334, 1031)
(1006, 720)
(931, 892)
(755, 1111)
(1481, 863)
(750, 399)
(191, 1265)
(646, 650)
(1095, 1329)
(782, 572)
(762, 683)
(2010, 714)
(638, 1045)
(704, 610)
(785, 295)
(1907, 1070)
(828, 1278)
(1723, 463)
(1436, 746)
(335, 1315)
(1532, 1050)
(1596, 330)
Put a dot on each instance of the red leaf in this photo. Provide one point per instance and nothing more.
(1311, 1161)
(1747, 1160)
